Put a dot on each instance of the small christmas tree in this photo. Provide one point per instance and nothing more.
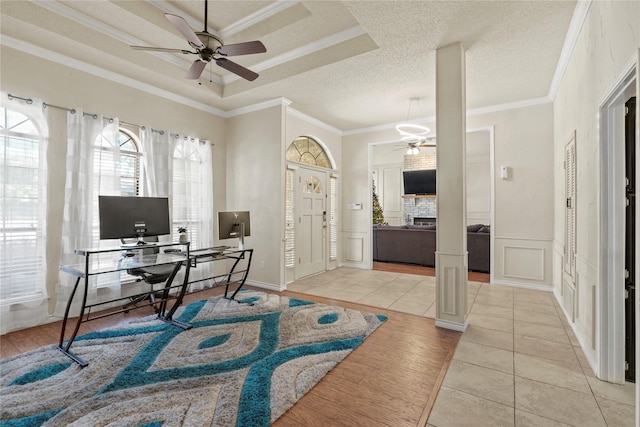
(378, 215)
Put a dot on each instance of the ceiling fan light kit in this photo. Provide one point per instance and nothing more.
(210, 47)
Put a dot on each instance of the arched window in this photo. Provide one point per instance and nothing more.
(117, 162)
(22, 208)
(188, 190)
(116, 171)
(307, 150)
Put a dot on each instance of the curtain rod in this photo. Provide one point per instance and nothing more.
(73, 111)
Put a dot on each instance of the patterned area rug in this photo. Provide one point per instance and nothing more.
(242, 364)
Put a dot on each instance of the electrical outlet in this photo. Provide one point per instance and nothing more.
(262, 264)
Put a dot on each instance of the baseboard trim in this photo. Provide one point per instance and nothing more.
(454, 326)
(541, 287)
(351, 265)
(268, 286)
(586, 350)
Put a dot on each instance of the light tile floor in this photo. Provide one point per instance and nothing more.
(518, 363)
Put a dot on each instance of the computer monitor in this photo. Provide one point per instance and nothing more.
(234, 224)
(123, 217)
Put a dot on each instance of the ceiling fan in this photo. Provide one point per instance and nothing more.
(413, 145)
(210, 47)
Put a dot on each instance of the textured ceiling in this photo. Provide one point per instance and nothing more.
(351, 64)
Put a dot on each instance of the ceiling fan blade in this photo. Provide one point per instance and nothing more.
(184, 28)
(162, 49)
(245, 48)
(196, 69)
(238, 69)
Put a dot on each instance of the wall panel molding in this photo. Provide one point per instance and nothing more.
(523, 262)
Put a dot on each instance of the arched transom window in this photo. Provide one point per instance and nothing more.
(307, 150)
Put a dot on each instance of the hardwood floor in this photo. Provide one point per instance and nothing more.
(424, 271)
(392, 379)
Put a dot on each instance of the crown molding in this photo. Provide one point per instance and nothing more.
(313, 121)
(256, 17)
(257, 107)
(575, 28)
(473, 112)
(108, 75)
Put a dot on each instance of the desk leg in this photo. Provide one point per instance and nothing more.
(244, 277)
(163, 306)
(65, 349)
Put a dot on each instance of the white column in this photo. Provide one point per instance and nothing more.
(451, 249)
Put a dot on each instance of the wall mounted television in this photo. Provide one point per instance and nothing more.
(123, 217)
(420, 182)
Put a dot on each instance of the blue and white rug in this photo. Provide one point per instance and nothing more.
(240, 365)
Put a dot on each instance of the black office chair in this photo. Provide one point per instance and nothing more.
(152, 275)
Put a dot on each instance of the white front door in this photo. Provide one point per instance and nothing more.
(312, 221)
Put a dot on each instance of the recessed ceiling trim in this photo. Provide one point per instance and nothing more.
(575, 28)
(302, 51)
(194, 22)
(256, 17)
(108, 75)
(110, 31)
(244, 23)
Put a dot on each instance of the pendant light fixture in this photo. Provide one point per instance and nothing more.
(411, 131)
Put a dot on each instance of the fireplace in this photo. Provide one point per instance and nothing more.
(424, 220)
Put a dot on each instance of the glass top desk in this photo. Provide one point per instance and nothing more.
(113, 260)
(103, 261)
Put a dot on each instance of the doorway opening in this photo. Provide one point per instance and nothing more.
(310, 209)
(618, 242)
(630, 242)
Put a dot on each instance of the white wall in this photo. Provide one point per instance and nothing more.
(523, 228)
(255, 182)
(609, 38)
(523, 213)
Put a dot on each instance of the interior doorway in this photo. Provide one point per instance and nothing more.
(630, 241)
(618, 268)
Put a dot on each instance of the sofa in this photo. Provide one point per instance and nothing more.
(416, 244)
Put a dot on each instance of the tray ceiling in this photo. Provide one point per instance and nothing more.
(351, 64)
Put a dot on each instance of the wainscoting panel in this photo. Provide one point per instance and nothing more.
(449, 301)
(569, 298)
(354, 249)
(523, 262)
(585, 314)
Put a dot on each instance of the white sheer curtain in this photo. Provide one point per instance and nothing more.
(92, 168)
(23, 212)
(192, 197)
(156, 158)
